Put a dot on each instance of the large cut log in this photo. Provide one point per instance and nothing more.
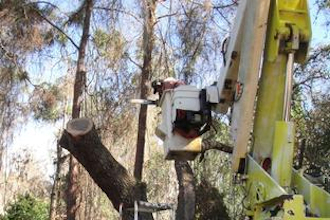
(82, 141)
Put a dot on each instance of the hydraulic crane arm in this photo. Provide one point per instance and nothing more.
(256, 83)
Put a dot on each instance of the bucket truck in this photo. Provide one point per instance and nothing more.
(255, 82)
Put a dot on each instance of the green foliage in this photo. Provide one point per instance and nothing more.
(318, 135)
(315, 71)
(46, 102)
(110, 46)
(323, 4)
(76, 17)
(22, 26)
(61, 38)
(11, 88)
(213, 172)
(313, 137)
(209, 202)
(310, 111)
(26, 208)
(220, 130)
(191, 31)
(156, 174)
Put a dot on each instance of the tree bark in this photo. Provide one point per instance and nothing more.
(300, 156)
(149, 7)
(108, 174)
(187, 189)
(211, 144)
(55, 189)
(186, 197)
(73, 191)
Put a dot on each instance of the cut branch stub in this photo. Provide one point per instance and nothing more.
(79, 127)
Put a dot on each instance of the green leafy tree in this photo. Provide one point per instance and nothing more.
(26, 208)
(311, 113)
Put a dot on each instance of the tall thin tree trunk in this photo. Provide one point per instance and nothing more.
(149, 7)
(79, 86)
(186, 197)
(187, 187)
(53, 197)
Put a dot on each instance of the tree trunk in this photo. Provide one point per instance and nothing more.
(300, 156)
(54, 194)
(73, 190)
(186, 197)
(149, 7)
(82, 141)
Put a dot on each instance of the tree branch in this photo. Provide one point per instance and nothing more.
(214, 145)
(82, 141)
(165, 16)
(47, 3)
(58, 28)
(120, 11)
(135, 63)
(225, 6)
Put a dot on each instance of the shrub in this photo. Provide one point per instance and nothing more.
(26, 207)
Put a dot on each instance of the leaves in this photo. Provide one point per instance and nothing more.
(47, 102)
(22, 26)
(77, 17)
(323, 4)
(26, 208)
(318, 136)
(110, 46)
(209, 202)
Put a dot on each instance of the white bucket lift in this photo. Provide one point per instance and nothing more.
(183, 98)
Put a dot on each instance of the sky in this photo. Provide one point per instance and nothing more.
(40, 140)
(320, 35)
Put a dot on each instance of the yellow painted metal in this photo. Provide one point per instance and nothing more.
(195, 145)
(270, 195)
(317, 198)
(261, 186)
(285, 16)
(291, 209)
(182, 148)
(260, 214)
(294, 208)
(282, 155)
(287, 20)
(269, 106)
